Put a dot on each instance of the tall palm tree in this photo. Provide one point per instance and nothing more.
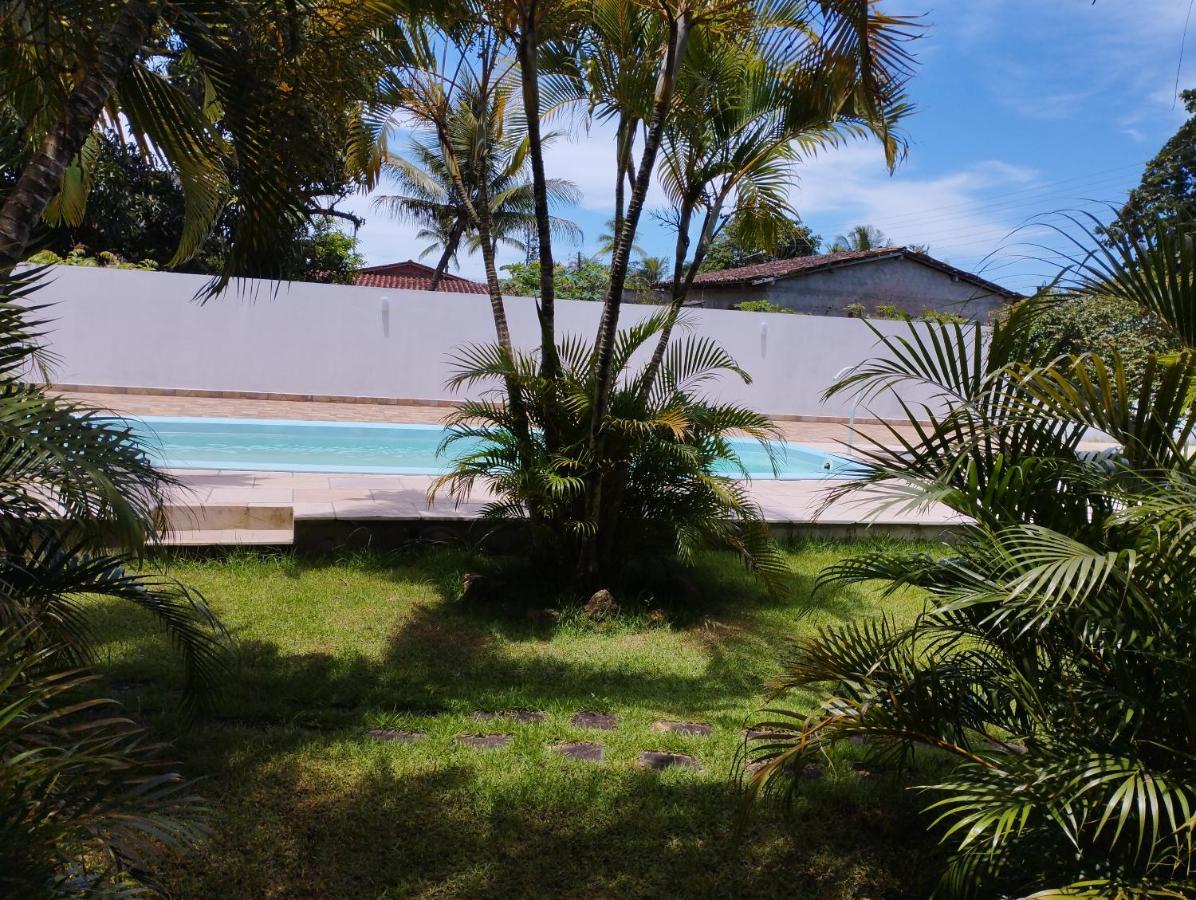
(626, 62)
(429, 196)
(861, 237)
(746, 120)
(1052, 661)
(606, 241)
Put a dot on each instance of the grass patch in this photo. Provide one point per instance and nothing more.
(307, 805)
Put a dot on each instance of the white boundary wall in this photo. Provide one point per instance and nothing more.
(125, 328)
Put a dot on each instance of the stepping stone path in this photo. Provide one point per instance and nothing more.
(523, 716)
(396, 734)
(583, 751)
(809, 772)
(595, 720)
(658, 759)
(694, 729)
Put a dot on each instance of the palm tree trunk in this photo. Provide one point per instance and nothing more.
(681, 285)
(450, 248)
(529, 66)
(41, 179)
(496, 305)
(591, 562)
(609, 324)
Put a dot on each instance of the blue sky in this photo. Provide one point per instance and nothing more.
(1024, 108)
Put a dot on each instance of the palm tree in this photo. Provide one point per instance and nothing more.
(429, 196)
(745, 121)
(1053, 658)
(681, 493)
(861, 237)
(80, 499)
(649, 272)
(627, 62)
(606, 241)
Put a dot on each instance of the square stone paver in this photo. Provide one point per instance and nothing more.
(659, 759)
(602, 721)
(692, 729)
(583, 751)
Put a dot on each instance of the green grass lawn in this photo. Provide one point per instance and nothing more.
(306, 804)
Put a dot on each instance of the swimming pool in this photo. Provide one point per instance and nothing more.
(286, 445)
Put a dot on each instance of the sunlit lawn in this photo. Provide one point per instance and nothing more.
(306, 804)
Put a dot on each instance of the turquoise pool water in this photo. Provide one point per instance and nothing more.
(283, 445)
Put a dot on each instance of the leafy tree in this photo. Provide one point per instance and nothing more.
(1052, 661)
(861, 237)
(1167, 190)
(727, 251)
(135, 210)
(1102, 326)
(134, 219)
(584, 279)
(326, 253)
(250, 104)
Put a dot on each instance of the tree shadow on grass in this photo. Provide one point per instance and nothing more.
(314, 821)
(484, 654)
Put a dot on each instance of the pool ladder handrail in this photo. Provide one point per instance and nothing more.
(839, 376)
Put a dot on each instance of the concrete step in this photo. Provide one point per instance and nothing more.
(225, 516)
(230, 537)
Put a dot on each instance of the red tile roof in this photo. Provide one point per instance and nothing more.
(414, 276)
(802, 265)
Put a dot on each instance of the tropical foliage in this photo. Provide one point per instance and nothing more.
(1167, 190)
(1101, 326)
(584, 279)
(253, 106)
(861, 237)
(728, 95)
(1054, 657)
(80, 499)
(485, 146)
(87, 804)
(669, 456)
(731, 251)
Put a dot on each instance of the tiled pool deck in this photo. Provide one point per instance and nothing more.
(237, 507)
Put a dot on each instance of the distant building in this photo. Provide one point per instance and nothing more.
(414, 276)
(830, 284)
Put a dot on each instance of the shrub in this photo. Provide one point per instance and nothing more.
(87, 805)
(763, 306)
(1054, 658)
(666, 484)
(80, 499)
